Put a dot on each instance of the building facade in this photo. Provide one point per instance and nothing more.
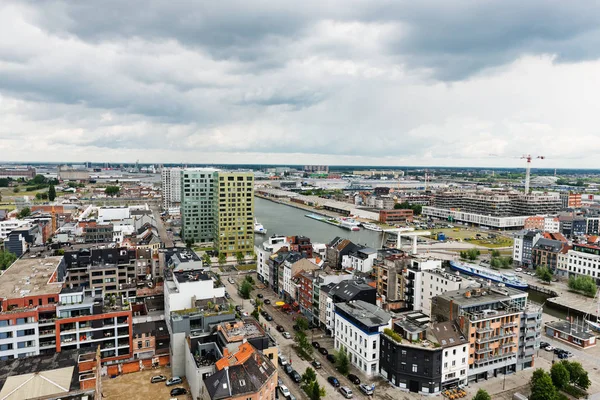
(233, 230)
(197, 204)
(171, 187)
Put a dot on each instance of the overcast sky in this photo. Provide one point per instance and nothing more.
(449, 83)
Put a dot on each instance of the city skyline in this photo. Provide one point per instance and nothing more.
(352, 83)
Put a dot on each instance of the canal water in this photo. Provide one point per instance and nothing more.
(280, 219)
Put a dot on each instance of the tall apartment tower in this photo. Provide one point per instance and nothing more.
(171, 187)
(197, 204)
(234, 212)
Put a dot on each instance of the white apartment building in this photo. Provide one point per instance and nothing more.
(437, 281)
(551, 225)
(360, 260)
(478, 219)
(584, 259)
(263, 252)
(358, 326)
(523, 244)
(455, 363)
(171, 187)
(290, 270)
(9, 225)
(186, 287)
(413, 277)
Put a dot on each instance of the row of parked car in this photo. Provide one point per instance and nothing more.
(561, 353)
(175, 380)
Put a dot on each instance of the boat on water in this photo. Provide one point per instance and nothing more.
(505, 278)
(593, 325)
(259, 228)
(372, 227)
(349, 223)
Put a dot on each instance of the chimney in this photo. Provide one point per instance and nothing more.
(468, 294)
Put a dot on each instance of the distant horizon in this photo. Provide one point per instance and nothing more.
(300, 166)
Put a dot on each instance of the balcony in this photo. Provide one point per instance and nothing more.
(48, 345)
(509, 325)
(46, 321)
(495, 338)
(483, 350)
(531, 323)
(484, 330)
(494, 358)
(47, 332)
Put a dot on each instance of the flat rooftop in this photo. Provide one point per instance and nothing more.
(474, 296)
(236, 331)
(366, 313)
(577, 331)
(190, 276)
(30, 277)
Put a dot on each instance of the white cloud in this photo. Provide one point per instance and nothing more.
(340, 85)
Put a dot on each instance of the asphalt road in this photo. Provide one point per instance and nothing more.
(162, 231)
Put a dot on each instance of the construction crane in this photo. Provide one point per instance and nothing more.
(528, 157)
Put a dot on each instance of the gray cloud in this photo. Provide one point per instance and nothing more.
(359, 80)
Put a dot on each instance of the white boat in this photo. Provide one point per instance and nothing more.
(350, 224)
(258, 228)
(372, 227)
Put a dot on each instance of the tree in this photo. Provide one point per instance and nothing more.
(577, 375)
(245, 290)
(302, 323)
(303, 344)
(222, 259)
(112, 191)
(583, 283)
(16, 190)
(51, 193)
(206, 261)
(542, 387)
(41, 196)
(38, 180)
(255, 314)
(240, 257)
(482, 394)
(249, 279)
(4, 182)
(189, 243)
(6, 259)
(313, 390)
(309, 375)
(25, 212)
(560, 375)
(544, 273)
(342, 362)
(495, 253)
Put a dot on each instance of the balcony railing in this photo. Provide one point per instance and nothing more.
(495, 338)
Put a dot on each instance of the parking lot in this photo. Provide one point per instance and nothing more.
(137, 386)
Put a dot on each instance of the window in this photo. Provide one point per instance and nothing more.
(140, 344)
(414, 368)
(147, 343)
(374, 345)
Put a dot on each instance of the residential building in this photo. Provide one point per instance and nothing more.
(317, 168)
(360, 260)
(184, 288)
(529, 335)
(9, 225)
(545, 253)
(437, 281)
(592, 226)
(412, 288)
(496, 209)
(490, 318)
(245, 375)
(150, 339)
(389, 280)
(233, 229)
(171, 187)
(523, 245)
(584, 259)
(337, 249)
(358, 327)
(277, 263)
(572, 225)
(264, 252)
(289, 271)
(198, 201)
(324, 283)
(393, 217)
(429, 359)
(542, 223)
(301, 244)
(570, 200)
(232, 335)
(344, 292)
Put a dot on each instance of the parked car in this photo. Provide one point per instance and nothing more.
(366, 389)
(178, 391)
(174, 381)
(231, 280)
(316, 345)
(245, 314)
(518, 269)
(346, 392)
(267, 301)
(323, 351)
(264, 313)
(288, 369)
(286, 335)
(238, 308)
(296, 327)
(543, 345)
(331, 358)
(295, 376)
(557, 350)
(354, 379)
(268, 317)
(280, 328)
(227, 296)
(282, 360)
(260, 296)
(284, 391)
(158, 378)
(316, 364)
(549, 348)
(333, 381)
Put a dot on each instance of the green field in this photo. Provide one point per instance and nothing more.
(462, 234)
